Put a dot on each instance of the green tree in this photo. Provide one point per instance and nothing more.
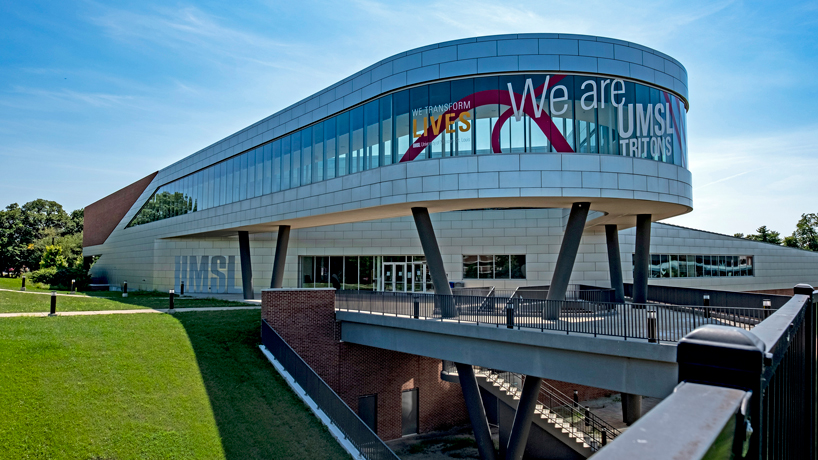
(765, 235)
(790, 242)
(53, 258)
(806, 232)
(22, 228)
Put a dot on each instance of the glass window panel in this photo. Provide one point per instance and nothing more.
(366, 273)
(259, 172)
(586, 93)
(351, 272)
(286, 150)
(485, 266)
(318, 152)
(439, 99)
(517, 266)
(699, 266)
(251, 173)
(683, 266)
(268, 170)
(626, 120)
(330, 143)
(306, 156)
(502, 269)
(750, 266)
(419, 99)
(336, 272)
(243, 177)
(607, 113)
(200, 189)
(211, 186)
(722, 266)
(708, 267)
(402, 119)
(386, 129)
(372, 135)
(277, 165)
(322, 272)
(562, 109)
(228, 193)
(664, 263)
(655, 266)
(308, 272)
(469, 267)
(536, 138)
(217, 184)
(485, 116)
(356, 152)
(343, 143)
(674, 266)
(295, 159)
(512, 133)
(462, 94)
(691, 267)
(742, 262)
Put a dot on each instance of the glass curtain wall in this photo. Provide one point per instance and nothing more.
(588, 114)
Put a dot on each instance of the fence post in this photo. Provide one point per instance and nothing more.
(53, 303)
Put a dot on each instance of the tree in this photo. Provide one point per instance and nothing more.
(806, 232)
(22, 228)
(790, 242)
(52, 257)
(738, 235)
(765, 235)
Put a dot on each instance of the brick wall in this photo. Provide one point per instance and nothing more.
(305, 318)
(102, 217)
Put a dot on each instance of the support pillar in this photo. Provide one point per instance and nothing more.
(282, 241)
(434, 261)
(631, 408)
(615, 263)
(477, 413)
(566, 258)
(246, 267)
(518, 438)
(641, 259)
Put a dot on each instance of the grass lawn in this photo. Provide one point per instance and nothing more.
(12, 302)
(186, 386)
(16, 284)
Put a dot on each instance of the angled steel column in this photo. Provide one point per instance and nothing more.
(477, 413)
(434, 261)
(641, 259)
(282, 241)
(246, 267)
(518, 438)
(615, 262)
(566, 258)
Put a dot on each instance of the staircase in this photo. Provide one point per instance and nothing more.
(556, 413)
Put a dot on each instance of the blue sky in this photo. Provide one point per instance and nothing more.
(94, 96)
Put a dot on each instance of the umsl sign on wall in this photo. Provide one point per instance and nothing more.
(206, 274)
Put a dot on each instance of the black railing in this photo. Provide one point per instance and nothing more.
(656, 323)
(354, 429)
(749, 394)
(692, 296)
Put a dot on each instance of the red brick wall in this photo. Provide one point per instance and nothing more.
(584, 393)
(102, 217)
(306, 320)
(787, 292)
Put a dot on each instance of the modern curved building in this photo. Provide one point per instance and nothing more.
(496, 138)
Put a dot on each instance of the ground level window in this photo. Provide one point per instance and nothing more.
(494, 266)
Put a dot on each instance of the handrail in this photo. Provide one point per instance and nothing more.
(354, 429)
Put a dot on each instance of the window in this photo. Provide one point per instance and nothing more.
(494, 266)
(339, 272)
(698, 266)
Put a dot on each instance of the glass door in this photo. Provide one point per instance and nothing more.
(389, 277)
(400, 281)
(418, 277)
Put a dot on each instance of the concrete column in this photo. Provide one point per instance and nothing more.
(615, 263)
(522, 418)
(566, 258)
(246, 266)
(477, 413)
(641, 259)
(282, 241)
(631, 408)
(434, 261)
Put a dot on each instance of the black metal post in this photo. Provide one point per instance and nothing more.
(510, 315)
(73, 282)
(416, 308)
(576, 398)
(604, 436)
(170, 306)
(282, 241)
(641, 259)
(246, 265)
(24, 283)
(615, 262)
(182, 289)
(706, 303)
(587, 416)
(653, 330)
(125, 289)
(53, 303)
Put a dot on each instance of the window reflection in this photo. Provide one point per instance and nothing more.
(699, 266)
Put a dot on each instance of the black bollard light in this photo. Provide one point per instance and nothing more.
(604, 436)
(53, 303)
(509, 315)
(587, 416)
(182, 290)
(653, 331)
(24, 283)
(576, 398)
(171, 299)
(416, 308)
(706, 303)
(766, 304)
(73, 285)
(125, 289)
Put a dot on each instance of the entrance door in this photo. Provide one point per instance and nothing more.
(389, 277)
(418, 277)
(368, 411)
(409, 412)
(400, 277)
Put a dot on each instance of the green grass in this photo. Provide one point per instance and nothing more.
(19, 302)
(187, 386)
(17, 283)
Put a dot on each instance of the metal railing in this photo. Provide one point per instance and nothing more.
(746, 394)
(693, 296)
(354, 429)
(656, 323)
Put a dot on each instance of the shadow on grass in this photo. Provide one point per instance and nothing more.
(257, 414)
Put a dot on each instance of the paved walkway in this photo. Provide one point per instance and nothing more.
(126, 312)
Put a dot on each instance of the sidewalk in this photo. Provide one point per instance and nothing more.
(126, 312)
